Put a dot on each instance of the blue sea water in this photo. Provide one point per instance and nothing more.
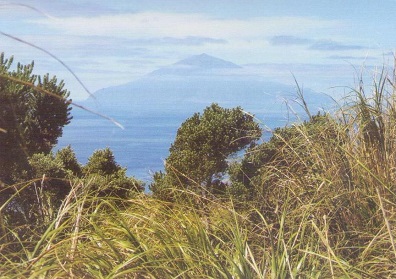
(142, 145)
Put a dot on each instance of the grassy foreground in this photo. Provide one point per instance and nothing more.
(326, 210)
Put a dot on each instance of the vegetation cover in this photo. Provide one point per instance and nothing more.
(315, 201)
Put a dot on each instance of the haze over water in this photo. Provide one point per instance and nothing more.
(152, 108)
(141, 146)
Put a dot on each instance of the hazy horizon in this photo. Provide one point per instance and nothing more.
(323, 44)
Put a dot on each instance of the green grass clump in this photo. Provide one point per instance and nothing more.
(320, 205)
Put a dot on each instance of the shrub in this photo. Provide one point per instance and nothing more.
(33, 112)
(108, 177)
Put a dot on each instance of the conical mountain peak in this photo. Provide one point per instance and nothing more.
(196, 65)
(207, 62)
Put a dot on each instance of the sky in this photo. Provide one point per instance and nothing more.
(323, 44)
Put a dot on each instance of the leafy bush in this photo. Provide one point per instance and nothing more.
(108, 177)
(198, 156)
(33, 112)
(69, 161)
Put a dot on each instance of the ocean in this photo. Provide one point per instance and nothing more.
(143, 145)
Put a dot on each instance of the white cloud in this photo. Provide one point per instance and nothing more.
(179, 34)
(154, 24)
(103, 49)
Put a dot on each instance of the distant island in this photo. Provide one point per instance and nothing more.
(193, 83)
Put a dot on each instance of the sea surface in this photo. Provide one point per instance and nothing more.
(143, 145)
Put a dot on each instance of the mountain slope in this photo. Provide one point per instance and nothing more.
(207, 62)
(196, 82)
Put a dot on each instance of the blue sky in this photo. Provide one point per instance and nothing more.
(109, 43)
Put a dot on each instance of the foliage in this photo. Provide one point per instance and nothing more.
(109, 177)
(48, 183)
(34, 203)
(33, 111)
(69, 161)
(285, 142)
(102, 162)
(316, 201)
(33, 181)
(198, 156)
(49, 192)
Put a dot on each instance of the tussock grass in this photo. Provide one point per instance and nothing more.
(323, 208)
